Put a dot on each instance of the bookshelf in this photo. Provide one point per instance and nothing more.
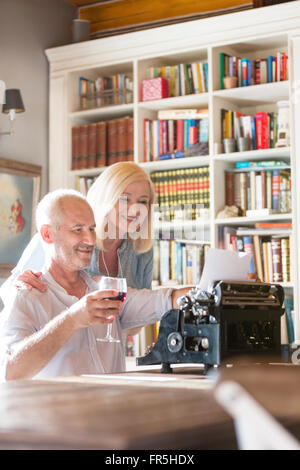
(253, 34)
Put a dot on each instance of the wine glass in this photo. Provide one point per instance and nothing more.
(113, 283)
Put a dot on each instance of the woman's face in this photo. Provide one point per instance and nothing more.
(132, 208)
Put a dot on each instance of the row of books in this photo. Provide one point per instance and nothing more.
(105, 91)
(270, 253)
(254, 72)
(184, 79)
(171, 135)
(181, 194)
(177, 262)
(102, 143)
(83, 183)
(259, 188)
(262, 129)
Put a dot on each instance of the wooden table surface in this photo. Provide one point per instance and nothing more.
(134, 410)
(139, 410)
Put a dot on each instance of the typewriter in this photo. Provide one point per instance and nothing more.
(234, 319)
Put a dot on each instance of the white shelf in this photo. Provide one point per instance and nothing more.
(107, 112)
(256, 94)
(265, 154)
(87, 171)
(252, 220)
(187, 101)
(187, 162)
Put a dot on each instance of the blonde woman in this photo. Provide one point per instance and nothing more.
(121, 198)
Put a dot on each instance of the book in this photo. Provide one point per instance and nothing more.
(258, 257)
(274, 225)
(111, 142)
(262, 163)
(262, 130)
(92, 145)
(83, 147)
(266, 269)
(121, 136)
(101, 144)
(248, 248)
(129, 156)
(75, 147)
(288, 303)
(275, 189)
(276, 259)
(183, 113)
(259, 212)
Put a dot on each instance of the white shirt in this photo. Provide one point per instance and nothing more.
(30, 310)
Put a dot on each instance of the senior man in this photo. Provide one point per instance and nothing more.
(54, 333)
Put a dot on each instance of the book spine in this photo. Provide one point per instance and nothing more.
(252, 190)
(266, 277)
(275, 189)
(112, 141)
(92, 144)
(258, 257)
(122, 139)
(243, 186)
(83, 147)
(244, 66)
(222, 73)
(248, 247)
(129, 155)
(285, 259)
(276, 258)
(270, 69)
(179, 138)
(101, 143)
(288, 302)
(229, 188)
(75, 147)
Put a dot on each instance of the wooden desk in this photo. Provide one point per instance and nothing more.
(122, 411)
(275, 387)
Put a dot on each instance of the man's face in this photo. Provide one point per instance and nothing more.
(75, 239)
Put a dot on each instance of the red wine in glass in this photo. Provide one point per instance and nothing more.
(121, 296)
(120, 285)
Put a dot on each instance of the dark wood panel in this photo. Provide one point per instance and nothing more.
(134, 14)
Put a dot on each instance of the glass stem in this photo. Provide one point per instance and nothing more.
(109, 328)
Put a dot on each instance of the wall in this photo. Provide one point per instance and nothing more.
(27, 28)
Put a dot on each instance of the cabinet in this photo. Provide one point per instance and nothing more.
(252, 34)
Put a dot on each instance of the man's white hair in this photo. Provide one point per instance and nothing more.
(49, 209)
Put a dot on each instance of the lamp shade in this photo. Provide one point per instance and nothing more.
(13, 100)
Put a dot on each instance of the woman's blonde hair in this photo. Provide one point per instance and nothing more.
(105, 193)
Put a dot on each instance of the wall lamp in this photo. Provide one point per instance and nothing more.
(13, 104)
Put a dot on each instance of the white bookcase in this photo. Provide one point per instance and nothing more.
(252, 34)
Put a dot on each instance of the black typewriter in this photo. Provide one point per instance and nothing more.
(234, 319)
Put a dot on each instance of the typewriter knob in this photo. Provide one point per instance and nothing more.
(174, 342)
(205, 342)
(183, 302)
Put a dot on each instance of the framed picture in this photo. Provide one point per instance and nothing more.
(19, 194)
